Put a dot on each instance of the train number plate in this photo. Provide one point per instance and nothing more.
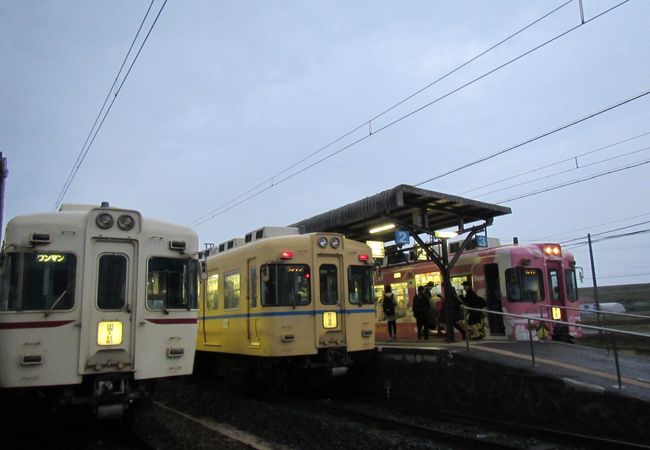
(109, 333)
(329, 320)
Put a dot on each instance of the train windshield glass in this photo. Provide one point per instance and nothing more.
(171, 283)
(524, 285)
(38, 281)
(360, 289)
(286, 285)
(571, 285)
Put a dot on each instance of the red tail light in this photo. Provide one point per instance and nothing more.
(363, 257)
(286, 255)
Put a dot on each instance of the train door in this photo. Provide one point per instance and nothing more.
(493, 298)
(210, 309)
(252, 304)
(556, 292)
(330, 314)
(107, 321)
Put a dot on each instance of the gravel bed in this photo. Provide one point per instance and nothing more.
(280, 426)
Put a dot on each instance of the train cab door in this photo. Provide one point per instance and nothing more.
(210, 309)
(107, 323)
(252, 303)
(493, 299)
(330, 314)
(556, 293)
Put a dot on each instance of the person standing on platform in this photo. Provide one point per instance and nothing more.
(388, 305)
(421, 308)
(474, 318)
(456, 313)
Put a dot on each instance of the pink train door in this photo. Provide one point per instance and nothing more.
(557, 297)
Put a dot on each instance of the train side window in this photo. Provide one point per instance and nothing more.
(571, 285)
(329, 284)
(171, 283)
(524, 285)
(213, 292)
(554, 284)
(111, 282)
(360, 285)
(231, 290)
(38, 281)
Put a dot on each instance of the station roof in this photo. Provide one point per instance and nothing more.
(407, 204)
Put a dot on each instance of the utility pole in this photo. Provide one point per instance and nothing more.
(593, 277)
(3, 176)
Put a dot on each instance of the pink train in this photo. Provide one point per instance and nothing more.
(531, 280)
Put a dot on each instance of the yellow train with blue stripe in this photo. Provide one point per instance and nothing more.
(278, 301)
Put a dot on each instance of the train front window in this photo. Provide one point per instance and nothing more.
(171, 283)
(524, 285)
(329, 284)
(38, 281)
(360, 285)
(571, 285)
(285, 285)
(111, 282)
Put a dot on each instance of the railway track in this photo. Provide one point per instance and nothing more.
(310, 421)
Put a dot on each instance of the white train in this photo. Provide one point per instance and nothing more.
(94, 303)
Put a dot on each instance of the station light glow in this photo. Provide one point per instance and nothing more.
(379, 229)
(445, 234)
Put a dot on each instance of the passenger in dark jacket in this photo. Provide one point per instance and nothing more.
(388, 305)
(421, 309)
(474, 318)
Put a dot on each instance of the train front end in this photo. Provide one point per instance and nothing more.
(82, 321)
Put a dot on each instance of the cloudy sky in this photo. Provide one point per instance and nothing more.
(223, 122)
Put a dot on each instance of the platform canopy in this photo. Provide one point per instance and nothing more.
(406, 206)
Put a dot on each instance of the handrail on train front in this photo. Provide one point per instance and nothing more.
(612, 331)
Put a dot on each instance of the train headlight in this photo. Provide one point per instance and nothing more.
(322, 242)
(109, 333)
(335, 242)
(125, 222)
(104, 221)
(553, 250)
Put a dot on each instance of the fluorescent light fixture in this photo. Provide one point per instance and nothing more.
(381, 228)
(445, 234)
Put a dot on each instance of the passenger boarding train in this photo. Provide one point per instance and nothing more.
(94, 303)
(522, 279)
(277, 302)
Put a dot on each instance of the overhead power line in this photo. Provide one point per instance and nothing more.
(274, 181)
(569, 183)
(572, 158)
(94, 130)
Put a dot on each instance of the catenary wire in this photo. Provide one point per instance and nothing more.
(543, 238)
(84, 152)
(555, 174)
(213, 213)
(580, 180)
(572, 158)
(219, 211)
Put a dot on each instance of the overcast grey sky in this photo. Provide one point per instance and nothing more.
(227, 95)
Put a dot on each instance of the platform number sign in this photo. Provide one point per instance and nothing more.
(402, 237)
(481, 241)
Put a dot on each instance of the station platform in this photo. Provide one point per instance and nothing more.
(592, 367)
(571, 387)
